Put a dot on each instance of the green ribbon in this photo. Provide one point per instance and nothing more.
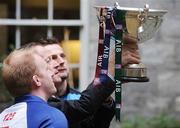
(120, 26)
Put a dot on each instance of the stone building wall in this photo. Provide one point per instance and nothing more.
(162, 57)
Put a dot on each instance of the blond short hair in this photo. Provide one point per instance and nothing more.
(17, 72)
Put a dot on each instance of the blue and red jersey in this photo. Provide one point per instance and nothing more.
(32, 112)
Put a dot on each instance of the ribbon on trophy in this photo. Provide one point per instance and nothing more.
(111, 28)
(103, 45)
(100, 45)
(120, 25)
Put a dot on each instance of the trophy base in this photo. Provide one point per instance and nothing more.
(134, 79)
(134, 73)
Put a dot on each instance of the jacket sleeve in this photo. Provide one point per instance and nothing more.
(90, 101)
(104, 115)
(102, 118)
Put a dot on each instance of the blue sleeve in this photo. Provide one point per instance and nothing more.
(44, 116)
(46, 123)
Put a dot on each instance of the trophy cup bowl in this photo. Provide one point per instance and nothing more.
(141, 24)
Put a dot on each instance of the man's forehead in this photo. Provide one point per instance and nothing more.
(54, 49)
(41, 51)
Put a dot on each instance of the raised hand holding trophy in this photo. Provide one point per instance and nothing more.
(115, 23)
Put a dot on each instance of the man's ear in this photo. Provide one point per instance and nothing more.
(36, 80)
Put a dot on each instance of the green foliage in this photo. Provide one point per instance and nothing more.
(160, 121)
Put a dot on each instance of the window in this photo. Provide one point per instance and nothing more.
(19, 19)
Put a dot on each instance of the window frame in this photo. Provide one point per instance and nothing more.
(82, 23)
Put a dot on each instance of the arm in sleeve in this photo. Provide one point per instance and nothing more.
(90, 101)
(103, 117)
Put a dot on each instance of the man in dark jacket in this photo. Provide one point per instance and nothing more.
(91, 108)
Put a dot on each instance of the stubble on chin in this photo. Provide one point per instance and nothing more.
(64, 76)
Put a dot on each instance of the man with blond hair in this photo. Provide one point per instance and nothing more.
(30, 80)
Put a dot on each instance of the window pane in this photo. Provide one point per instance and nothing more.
(66, 9)
(34, 9)
(69, 40)
(7, 43)
(73, 78)
(7, 9)
(32, 33)
(66, 32)
(7, 39)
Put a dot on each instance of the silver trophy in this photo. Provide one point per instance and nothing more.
(141, 24)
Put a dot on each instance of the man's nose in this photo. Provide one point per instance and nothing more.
(55, 63)
(60, 60)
